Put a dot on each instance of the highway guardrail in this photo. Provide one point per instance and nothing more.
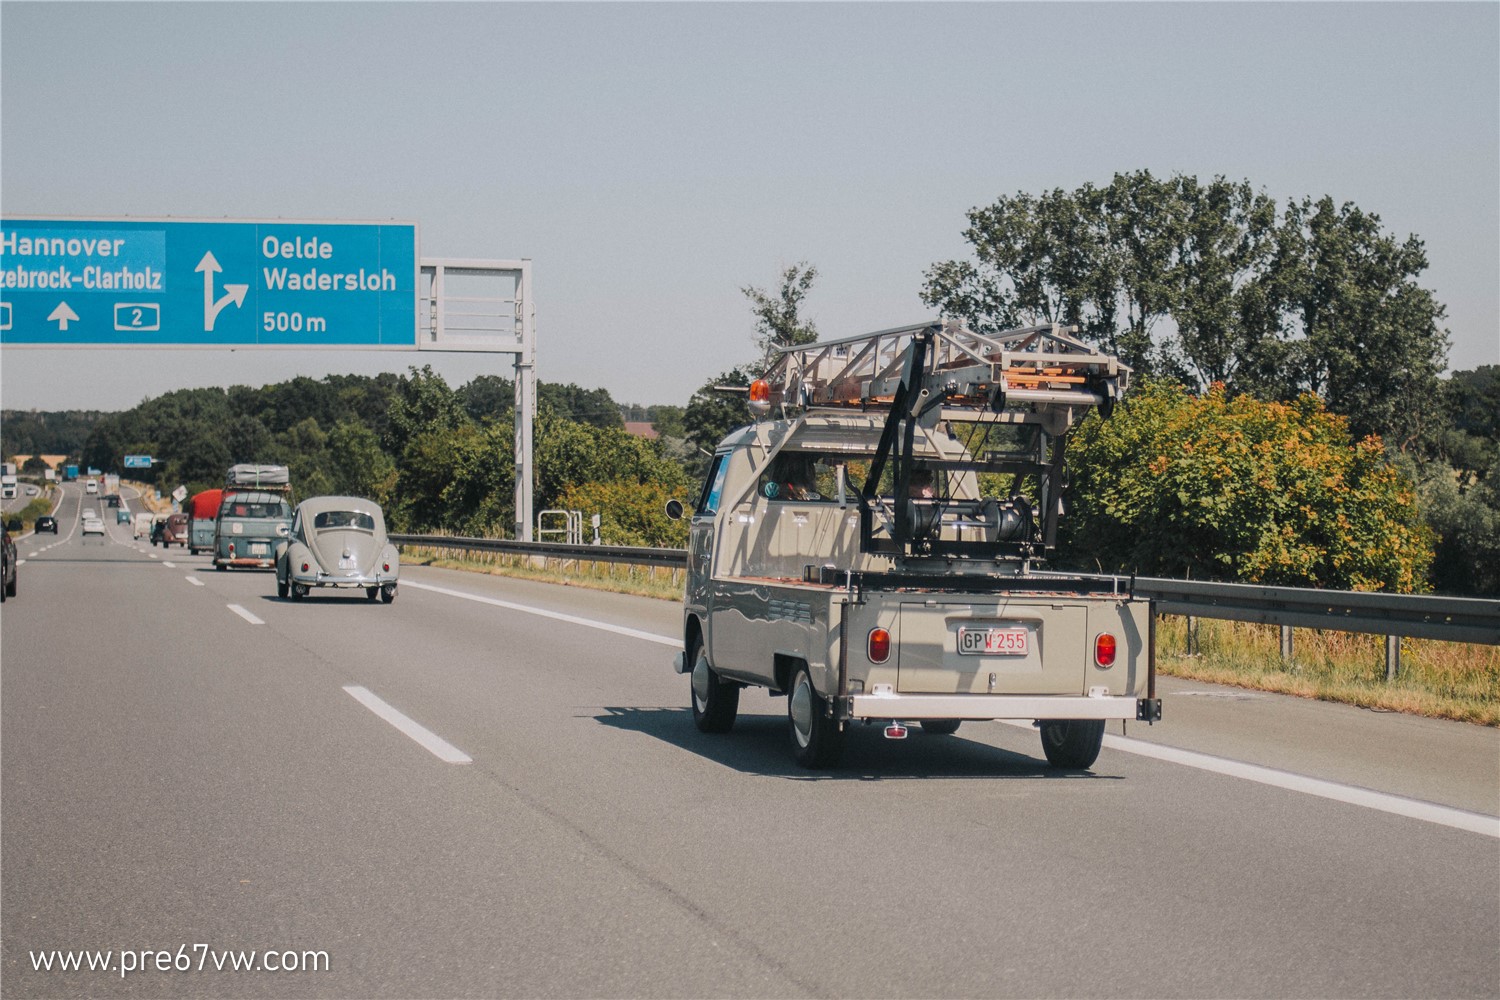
(1419, 616)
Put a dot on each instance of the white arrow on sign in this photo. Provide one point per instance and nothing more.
(209, 265)
(62, 315)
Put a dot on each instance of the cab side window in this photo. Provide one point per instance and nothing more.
(800, 477)
(713, 486)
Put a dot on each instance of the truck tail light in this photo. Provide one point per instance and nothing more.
(231, 550)
(879, 645)
(1104, 650)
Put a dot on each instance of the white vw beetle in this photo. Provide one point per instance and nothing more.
(337, 542)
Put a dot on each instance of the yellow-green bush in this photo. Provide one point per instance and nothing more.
(1235, 488)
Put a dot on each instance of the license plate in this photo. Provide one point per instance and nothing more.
(994, 641)
(258, 548)
(348, 564)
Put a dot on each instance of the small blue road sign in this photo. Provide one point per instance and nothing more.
(207, 283)
(137, 461)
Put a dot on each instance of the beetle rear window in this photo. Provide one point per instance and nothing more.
(344, 519)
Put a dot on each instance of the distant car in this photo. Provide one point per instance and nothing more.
(175, 530)
(337, 542)
(113, 499)
(91, 487)
(122, 517)
(32, 491)
(158, 527)
(92, 525)
(46, 523)
(8, 559)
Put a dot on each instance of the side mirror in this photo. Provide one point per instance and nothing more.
(674, 509)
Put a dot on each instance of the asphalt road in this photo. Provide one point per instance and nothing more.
(184, 764)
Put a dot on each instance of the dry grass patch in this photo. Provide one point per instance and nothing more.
(659, 582)
(1446, 680)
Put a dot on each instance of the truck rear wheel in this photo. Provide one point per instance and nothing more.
(940, 727)
(1072, 743)
(817, 740)
(715, 703)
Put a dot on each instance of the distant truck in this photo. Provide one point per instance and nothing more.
(255, 513)
(202, 509)
(70, 473)
(9, 489)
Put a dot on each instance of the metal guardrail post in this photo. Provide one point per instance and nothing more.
(1392, 657)
(1286, 644)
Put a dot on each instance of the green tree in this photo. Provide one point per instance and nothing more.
(630, 513)
(1228, 326)
(778, 319)
(711, 414)
(357, 466)
(1233, 488)
(422, 403)
(1202, 282)
(1374, 348)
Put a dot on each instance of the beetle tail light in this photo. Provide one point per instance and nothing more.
(385, 567)
(1104, 650)
(879, 646)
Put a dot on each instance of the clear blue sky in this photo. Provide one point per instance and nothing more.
(652, 159)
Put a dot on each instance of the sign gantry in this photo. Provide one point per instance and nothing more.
(267, 283)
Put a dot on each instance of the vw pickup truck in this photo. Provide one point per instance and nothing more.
(872, 547)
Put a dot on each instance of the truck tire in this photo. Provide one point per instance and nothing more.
(715, 703)
(1072, 743)
(817, 740)
(941, 727)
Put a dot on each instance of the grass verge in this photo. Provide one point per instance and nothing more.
(1445, 680)
(620, 578)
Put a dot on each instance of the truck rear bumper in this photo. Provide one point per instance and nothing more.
(912, 707)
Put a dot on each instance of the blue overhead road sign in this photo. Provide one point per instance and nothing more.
(207, 283)
(137, 461)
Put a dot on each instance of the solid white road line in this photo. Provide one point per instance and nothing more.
(194, 581)
(555, 615)
(1429, 812)
(434, 744)
(245, 614)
